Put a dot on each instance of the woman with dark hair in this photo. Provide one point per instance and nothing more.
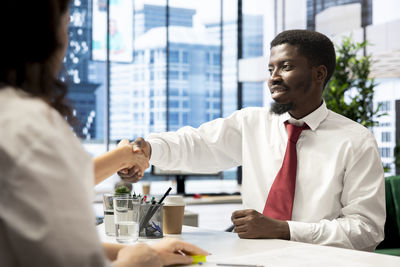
(46, 177)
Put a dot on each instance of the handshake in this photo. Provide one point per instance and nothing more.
(138, 161)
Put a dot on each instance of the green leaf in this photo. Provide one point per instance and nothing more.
(122, 190)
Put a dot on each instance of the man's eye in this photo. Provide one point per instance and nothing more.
(270, 71)
(286, 67)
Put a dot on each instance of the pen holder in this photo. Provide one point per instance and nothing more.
(151, 220)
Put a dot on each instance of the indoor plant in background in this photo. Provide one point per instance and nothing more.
(350, 91)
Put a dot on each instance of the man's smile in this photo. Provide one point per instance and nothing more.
(278, 90)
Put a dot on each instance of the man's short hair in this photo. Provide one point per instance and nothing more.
(316, 47)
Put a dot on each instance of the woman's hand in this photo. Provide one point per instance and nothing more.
(124, 156)
(137, 161)
(140, 255)
(174, 251)
(132, 174)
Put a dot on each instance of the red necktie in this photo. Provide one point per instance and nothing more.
(279, 203)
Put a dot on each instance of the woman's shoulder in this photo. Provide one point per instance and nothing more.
(25, 120)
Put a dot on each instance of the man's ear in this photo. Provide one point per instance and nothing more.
(320, 72)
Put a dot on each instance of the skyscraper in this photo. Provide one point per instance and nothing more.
(193, 76)
(316, 6)
(82, 90)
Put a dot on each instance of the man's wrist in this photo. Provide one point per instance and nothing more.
(284, 230)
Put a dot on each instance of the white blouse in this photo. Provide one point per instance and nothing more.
(46, 188)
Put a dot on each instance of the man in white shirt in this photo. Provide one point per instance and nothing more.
(339, 196)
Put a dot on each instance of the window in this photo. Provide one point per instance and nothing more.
(385, 106)
(185, 57)
(386, 137)
(185, 118)
(174, 118)
(174, 91)
(384, 124)
(216, 59)
(173, 56)
(174, 75)
(385, 152)
(174, 104)
(207, 58)
(151, 56)
(216, 77)
(136, 81)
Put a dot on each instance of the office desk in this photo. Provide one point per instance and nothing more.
(228, 248)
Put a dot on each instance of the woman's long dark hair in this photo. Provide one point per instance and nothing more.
(29, 33)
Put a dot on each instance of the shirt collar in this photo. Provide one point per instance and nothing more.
(313, 119)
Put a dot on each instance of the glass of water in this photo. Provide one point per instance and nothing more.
(126, 218)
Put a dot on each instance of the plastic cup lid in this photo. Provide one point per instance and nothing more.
(174, 201)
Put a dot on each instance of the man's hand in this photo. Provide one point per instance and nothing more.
(132, 174)
(174, 251)
(143, 146)
(252, 224)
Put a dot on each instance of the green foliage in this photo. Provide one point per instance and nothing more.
(122, 190)
(397, 156)
(350, 91)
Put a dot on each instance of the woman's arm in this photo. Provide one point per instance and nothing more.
(117, 159)
(112, 250)
(163, 253)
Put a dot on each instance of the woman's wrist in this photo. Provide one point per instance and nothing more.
(126, 156)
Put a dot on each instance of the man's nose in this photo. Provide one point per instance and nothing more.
(275, 78)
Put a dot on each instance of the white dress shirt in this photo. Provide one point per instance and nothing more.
(46, 189)
(339, 197)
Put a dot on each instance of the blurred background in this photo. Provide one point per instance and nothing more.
(172, 63)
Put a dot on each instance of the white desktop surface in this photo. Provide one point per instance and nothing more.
(229, 248)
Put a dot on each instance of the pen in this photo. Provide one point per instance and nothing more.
(165, 195)
(152, 210)
(238, 265)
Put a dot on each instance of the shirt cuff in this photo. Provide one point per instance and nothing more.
(156, 151)
(301, 231)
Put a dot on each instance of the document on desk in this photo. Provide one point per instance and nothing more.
(291, 256)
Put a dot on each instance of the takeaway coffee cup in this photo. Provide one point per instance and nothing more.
(173, 210)
(146, 188)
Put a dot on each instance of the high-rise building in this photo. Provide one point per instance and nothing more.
(317, 6)
(252, 47)
(139, 99)
(82, 90)
(139, 104)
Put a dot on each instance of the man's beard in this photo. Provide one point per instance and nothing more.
(278, 108)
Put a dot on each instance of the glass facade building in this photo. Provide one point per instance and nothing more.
(180, 65)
